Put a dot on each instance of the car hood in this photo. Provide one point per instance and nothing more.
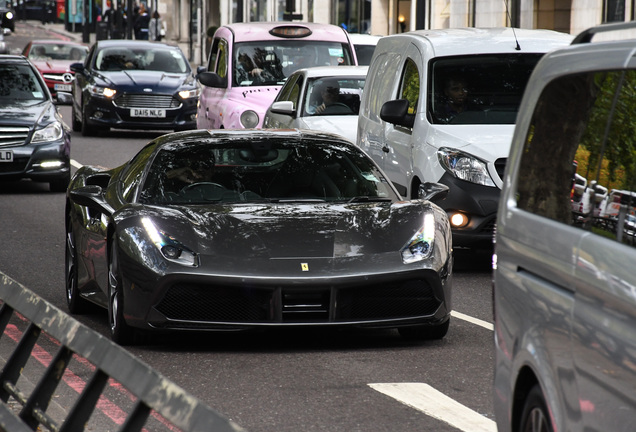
(53, 65)
(153, 80)
(280, 231)
(345, 125)
(27, 114)
(487, 142)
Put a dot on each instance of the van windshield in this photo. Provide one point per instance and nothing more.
(271, 62)
(478, 89)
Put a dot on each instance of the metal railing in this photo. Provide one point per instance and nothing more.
(24, 410)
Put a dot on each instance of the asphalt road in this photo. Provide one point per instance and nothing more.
(278, 380)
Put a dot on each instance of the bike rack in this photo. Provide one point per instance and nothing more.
(153, 392)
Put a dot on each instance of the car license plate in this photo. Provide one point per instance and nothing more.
(6, 156)
(147, 112)
(62, 87)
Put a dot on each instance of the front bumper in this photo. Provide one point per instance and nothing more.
(199, 302)
(105, 113)
(28, 159)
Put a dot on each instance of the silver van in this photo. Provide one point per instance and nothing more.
(565, 286)
(440, 106)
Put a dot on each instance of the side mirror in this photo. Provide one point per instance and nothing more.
(211, 79)
(77, 67)
(432, 191)
(397, 112)
(283, 107)
(64, 98)
(200, 70)
(91, 196)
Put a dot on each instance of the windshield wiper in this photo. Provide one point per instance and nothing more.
(363, 198)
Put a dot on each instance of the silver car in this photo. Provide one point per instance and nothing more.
(565, 287)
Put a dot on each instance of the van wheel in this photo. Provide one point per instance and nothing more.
(425, 332)
(535, 417)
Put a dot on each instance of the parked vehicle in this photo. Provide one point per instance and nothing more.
(325, 98)
(565, 293)
(133, 84)
(440, 106)
(7, 16)
(237, 230)
(35, 143)
(53, 58)
(249, 62)
(364, 45)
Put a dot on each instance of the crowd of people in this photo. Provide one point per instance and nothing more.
(145, 25)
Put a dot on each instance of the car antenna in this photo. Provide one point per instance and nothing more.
(518, 48)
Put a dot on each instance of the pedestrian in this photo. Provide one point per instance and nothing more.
(141, 23)
(154, 27)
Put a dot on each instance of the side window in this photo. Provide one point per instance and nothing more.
(581, 169)
(222, 59)
(410, 85)
(287, 89)
(213, 54)
(134, 171)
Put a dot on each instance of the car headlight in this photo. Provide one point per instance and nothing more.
(170, 248)
(420, 246)
(9, 15)
(249, 119)
(188, 94)
(464, 166)
(51, 132)
(101, 91)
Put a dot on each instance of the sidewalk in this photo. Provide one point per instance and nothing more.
(59, 29)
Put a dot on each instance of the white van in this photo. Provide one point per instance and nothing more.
(440, 106)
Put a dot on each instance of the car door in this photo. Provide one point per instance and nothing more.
(400, 140)
(212, 98)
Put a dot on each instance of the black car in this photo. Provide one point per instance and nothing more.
(128, 84)
(7, 15)
(35, 143)
(242, 229)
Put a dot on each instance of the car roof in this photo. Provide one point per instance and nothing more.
(13, 58)
(56, 42)
(323, 71)
(458, 41)
(258, 31)
(121, 43)
(363, 39)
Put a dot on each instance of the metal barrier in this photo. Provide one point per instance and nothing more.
(153, 393)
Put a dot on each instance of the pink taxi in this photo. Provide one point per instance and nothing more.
(249, 62)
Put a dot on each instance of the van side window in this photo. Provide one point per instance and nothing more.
(410, 85)
(581, 170)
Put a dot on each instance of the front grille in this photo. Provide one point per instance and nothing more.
(59, 77)
(146, 101)
(500, 167)
(13, 136)
(198, 302)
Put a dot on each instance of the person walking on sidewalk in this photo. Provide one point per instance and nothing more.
(141, 23)
(154, 27)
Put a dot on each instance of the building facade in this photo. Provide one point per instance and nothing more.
(191, 22)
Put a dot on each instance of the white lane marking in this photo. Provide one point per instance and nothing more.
(435, 404)
(76, 164)
(476, 321)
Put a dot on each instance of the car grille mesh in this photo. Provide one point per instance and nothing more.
(202, 303)
(12, 136)
(146, 101)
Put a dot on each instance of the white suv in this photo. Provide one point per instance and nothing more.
(565, 291)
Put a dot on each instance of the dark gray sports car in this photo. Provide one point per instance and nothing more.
(232, 230)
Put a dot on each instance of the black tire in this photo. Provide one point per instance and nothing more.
(535, 416)
(76, 124)
(61, 184)
(425, 332)
(86, 129)
(120, 332)
(76, 304)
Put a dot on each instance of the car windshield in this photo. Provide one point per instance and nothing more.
(18, 83)
(160, 59)
(67, 52)
(271, 62)
(333, 96)
(263, 170)
(478, 89)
